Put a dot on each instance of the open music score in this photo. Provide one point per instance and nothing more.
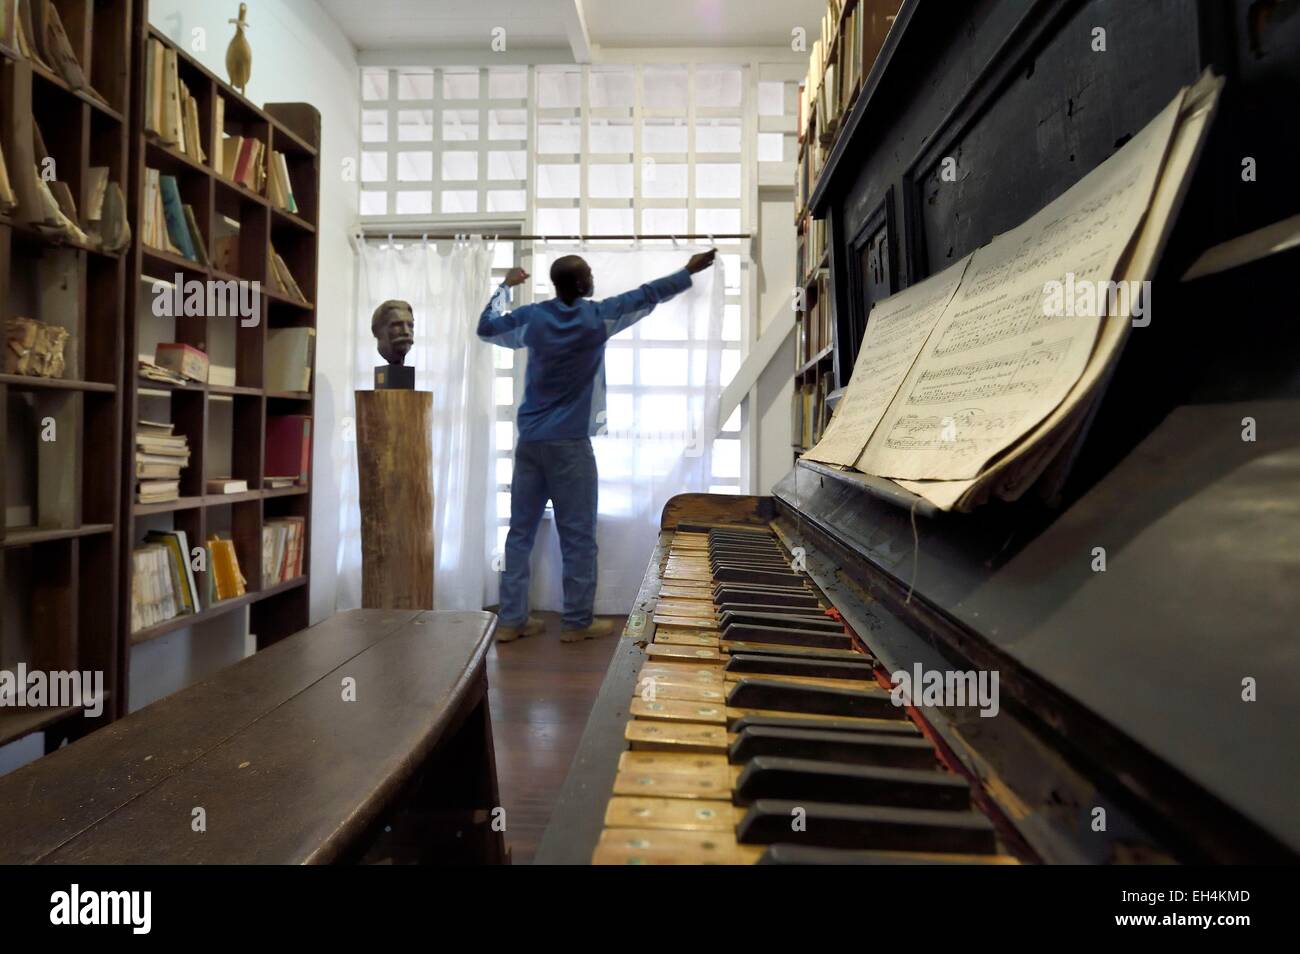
(759, 731)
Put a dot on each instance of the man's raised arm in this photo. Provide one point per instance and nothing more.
(498, 326)
(625, 310)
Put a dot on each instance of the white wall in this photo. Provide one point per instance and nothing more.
(771, 397)
(299, 55)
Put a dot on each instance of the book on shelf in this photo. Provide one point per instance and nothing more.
(8, 200)
(288, 446)
(148, 371)
(279, 187)
(170, 224)
(223, 569)
(160, 456)
(225, 245)
(243, 161)
(155, 586)
(171, 111)
(278, 483)
(184, 587)
(222, 375)
(226, 485)
(185, 360)
(282, 549)
(281, 279)
(289, 353)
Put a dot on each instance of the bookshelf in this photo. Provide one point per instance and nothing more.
(60, 440)
(224, 423)
(853, 33)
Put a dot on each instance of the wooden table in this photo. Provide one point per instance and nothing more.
(279, 764)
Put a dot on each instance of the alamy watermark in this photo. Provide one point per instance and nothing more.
(36, 688)
(192, 298)
(1085, 298)
(948, 688)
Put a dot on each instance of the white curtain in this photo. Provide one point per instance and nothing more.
(664, 382)
(447, 285)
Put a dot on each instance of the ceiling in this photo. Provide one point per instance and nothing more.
(576, 24)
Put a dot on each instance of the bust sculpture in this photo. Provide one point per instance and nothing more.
(393, 325)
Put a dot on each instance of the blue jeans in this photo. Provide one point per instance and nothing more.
(563, 472)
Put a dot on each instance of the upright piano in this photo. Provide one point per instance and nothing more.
(1148, 702)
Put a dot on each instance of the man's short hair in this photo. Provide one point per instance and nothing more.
(564, 270)
(381, 313)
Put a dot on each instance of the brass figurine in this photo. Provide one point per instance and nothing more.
(239, 55)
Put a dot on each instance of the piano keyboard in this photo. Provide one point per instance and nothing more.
(759, 734)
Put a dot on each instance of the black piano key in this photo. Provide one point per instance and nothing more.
(788, 854)
(771, 566)
(728, 574)
(802, 652)
(763, 617)
(798, 666)
(811, 611)
(857, 748)
(794, 598)
(814, 700)
(843, 784)
(786, 636)
(877, 828)
(903, 729)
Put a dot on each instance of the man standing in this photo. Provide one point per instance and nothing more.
(564, 401)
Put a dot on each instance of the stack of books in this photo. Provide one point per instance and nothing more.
(171, 113)
(163, 585)
(243, 161)
(282, 546)
(160, 456)
(151, 372)
(39, 35)
(169, 224)
(279, 189)
(281, 279)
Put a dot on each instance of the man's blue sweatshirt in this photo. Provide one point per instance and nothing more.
(564, 386)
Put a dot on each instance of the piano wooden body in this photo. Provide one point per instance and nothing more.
(1141, 610)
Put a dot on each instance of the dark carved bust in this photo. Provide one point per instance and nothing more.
(393, 325)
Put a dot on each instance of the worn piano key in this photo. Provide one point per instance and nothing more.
(677, 814)
(691, 693)
(864, 723)
(728, 574)
(804, 855)
(875, 827)
(857, 748)
(803, 599)
(750, 648)
(803, 611)
(684, 608)
(786, 636)
(676, 737)
(648, 846)
(731, 679)
(731, 558)
(688, 762)
(707, 784)
(680, 591)
(680, 636)
(680, 673)
(760, 618)
(872, 703)
(843, 783)
(700, 654)
(744, 663)
(674, 710)
(787, 720)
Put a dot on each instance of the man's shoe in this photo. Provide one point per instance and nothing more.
(508, 634)
(598, 628)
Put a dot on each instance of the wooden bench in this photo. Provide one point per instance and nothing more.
(284, 769)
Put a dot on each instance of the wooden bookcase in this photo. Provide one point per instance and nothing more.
(216, 416)
(59, 562)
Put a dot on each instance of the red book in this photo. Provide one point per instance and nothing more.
(241, 164)
(288, 446)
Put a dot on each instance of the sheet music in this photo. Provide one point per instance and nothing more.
(897, 328)
(1012, 474)
(995, 364)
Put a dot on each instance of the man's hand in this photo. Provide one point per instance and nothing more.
(701, 261)
(516, 276)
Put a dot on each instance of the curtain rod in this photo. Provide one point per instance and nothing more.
(451, 236)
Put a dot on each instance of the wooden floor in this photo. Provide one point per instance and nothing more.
(541, 692)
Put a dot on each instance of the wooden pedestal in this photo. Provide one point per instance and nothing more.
(395, 469)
